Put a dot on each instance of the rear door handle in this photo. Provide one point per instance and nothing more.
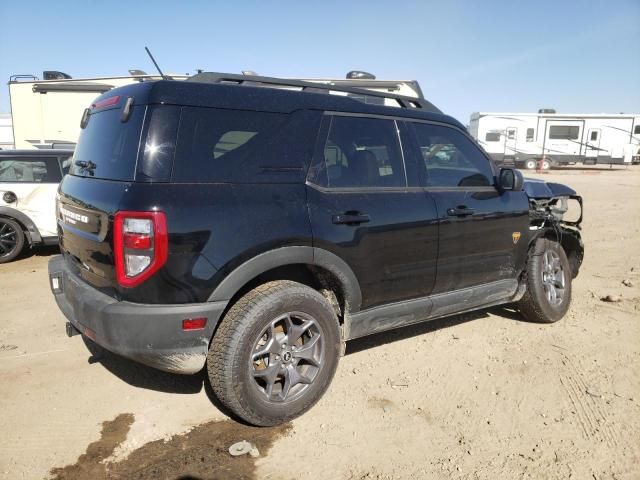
(350, 218)
(460, 211)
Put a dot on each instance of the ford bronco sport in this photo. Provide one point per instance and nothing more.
(253, 227)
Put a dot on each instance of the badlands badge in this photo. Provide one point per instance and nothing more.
(515, 236)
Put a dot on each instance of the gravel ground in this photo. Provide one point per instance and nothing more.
(485, 395)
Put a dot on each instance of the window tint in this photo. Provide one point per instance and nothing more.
(530, 134)
(30, 170)
(636, 130)
(451, 159)
(363, 152)
(564, 132)
(492, 137)
(594, 135)
(215, 145)
(108, 148)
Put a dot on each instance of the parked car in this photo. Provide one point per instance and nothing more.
(254, 230)
(28, 183)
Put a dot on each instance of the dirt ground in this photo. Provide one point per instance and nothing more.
(481, 396)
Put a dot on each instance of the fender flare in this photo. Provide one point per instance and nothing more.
(288, 256)
(32, 230)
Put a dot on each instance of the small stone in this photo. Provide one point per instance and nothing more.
(254, 452)
(611, 298)
(627, 283)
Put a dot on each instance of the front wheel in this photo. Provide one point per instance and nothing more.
(548, 283)
(274, 353)
(11, 239)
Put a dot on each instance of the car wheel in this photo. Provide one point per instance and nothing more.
(530, 164)
(546, 165)
(548, 283)
(11, 239)
(274, 353)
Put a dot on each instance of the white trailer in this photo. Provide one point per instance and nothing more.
(547, 139)
(6, 132)
(46, 113)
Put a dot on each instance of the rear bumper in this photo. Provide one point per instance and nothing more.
(149, 334)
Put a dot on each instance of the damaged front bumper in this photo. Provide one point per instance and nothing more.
(149, 334)
(548, 208)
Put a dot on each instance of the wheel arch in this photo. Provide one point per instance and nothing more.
(315, 267)
(33, 234)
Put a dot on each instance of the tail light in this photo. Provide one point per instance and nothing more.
(141, 245)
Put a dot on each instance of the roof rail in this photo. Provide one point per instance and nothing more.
(260, 81)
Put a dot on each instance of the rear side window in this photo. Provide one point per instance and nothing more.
(218, 145)
(363, 152)
(30, 170)
(492, 137)
(636, 130)
(451, 159)
(564, 132)
(108, 147)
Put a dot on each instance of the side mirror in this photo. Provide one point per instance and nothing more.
(510, 179)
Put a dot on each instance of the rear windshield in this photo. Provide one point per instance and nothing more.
(108, 147)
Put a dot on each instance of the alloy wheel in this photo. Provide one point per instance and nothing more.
(8, 239)
(287, 357)
(553, 278)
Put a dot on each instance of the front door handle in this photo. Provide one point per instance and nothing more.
(350, 218)
(460, 211)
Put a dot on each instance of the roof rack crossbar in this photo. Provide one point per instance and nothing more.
(256, 81)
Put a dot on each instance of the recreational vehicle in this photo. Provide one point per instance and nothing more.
(548, 139)
(46, 113)
(6, 133)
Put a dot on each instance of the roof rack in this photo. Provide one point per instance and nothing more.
(258, 81)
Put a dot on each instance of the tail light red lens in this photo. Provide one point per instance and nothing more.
(141, 245)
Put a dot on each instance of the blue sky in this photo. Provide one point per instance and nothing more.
(468, 56)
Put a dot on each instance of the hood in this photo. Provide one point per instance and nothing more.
(535, 188)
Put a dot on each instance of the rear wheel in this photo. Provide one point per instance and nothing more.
(274, 353)
(546, 165)
(548, 282)
(530, 164)
(11, 239)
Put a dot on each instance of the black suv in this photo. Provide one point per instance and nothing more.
(254, 225)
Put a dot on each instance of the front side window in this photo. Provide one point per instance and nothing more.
(636, 130)
(451, 159)
(363, 152)
(30, 170)
(564, 132)
(594, 135)
(492, 137)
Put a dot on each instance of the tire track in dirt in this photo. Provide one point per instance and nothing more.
(594, 423)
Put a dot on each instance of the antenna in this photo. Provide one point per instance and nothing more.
(164, 77)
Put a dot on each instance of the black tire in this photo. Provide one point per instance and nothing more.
(251, 359)
(548, 283)
(11, 239)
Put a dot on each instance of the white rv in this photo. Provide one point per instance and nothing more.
(6, 132)
(46, 113)
(547, 139)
